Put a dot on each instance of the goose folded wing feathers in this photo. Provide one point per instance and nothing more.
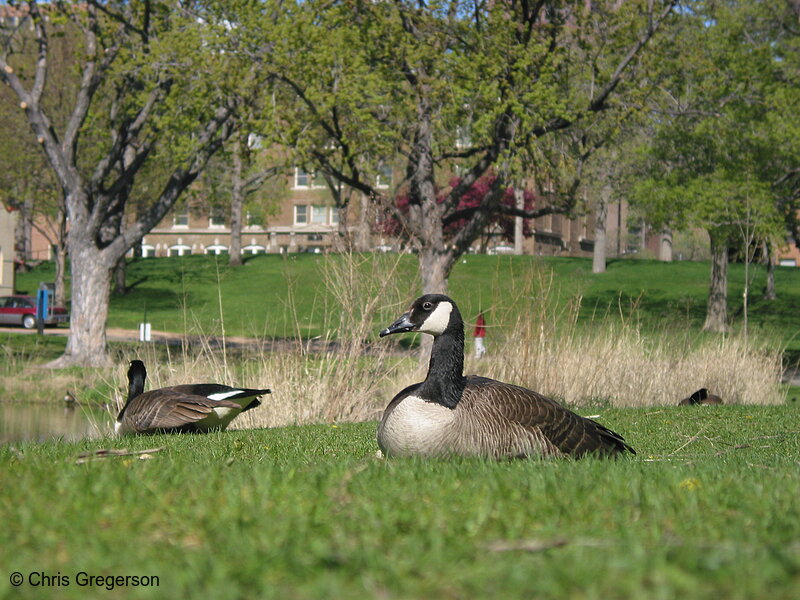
(562, 430)
(173, 409)
(217, 391)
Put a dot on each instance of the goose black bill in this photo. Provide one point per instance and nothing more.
(402, 325)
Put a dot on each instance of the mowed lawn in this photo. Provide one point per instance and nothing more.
(286, 296)
(707, 509)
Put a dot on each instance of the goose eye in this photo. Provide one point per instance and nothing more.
(427, 305)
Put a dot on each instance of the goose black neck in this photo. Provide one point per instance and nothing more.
(445, 381)
(135, 387)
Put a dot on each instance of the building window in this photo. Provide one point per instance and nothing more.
(314, 237)
(254, 219)
(254, 249)
(179, 250)
(319, 215)
(216, 249)
(306, 179)
(301, 177)
(148, 250)
(180, 217)
(255, 141)
(217, 217)
(300, 214)
(384, 179)
(334, 215)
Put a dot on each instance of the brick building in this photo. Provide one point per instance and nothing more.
(308, 221)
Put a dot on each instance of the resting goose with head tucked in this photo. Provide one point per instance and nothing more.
(196, 408)
(452, 414)
(701, 397)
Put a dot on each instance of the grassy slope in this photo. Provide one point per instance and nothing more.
(708, 509)
(181, 294)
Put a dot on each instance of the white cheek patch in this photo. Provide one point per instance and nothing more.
(438, 320)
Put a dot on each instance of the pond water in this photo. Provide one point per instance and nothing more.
(27, 421)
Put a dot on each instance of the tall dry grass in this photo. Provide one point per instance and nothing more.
(610, 361)
(349, 376)
(343, 376)
(534, 340)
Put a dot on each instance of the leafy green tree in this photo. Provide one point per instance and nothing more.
(714, 161)
(235, 184)
(27, 183)
(158, 89)
(465, 87)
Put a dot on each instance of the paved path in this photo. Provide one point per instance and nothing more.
(176, 339)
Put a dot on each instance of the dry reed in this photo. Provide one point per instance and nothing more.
(343, 376)
(611, 362)
(350, 375)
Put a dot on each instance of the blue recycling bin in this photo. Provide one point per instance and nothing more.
(44, 299)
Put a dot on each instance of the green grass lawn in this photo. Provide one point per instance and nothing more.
(184, 294)
(707, 509)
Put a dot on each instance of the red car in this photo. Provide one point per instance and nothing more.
(21, 310)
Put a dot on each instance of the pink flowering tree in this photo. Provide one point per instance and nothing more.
(501, 222)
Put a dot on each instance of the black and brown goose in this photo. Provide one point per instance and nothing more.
(701, 397)
(182, 408)
(452, 414)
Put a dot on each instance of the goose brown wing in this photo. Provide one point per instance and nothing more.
(567, 431)
(169, 409)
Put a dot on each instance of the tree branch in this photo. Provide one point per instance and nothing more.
(598, 103)
(209, 140)
(126, 22)
(91, 78)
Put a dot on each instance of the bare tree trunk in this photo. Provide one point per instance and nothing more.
(600, 226)
(120, 272)
(665, 245)
(643, 237)
(717, 309)
(343, 240)
(769, 256)
(237, 205)
(362, 237)
(519, 198)
(61, 260)
(91, 287)
(433, 267)
(425, 217)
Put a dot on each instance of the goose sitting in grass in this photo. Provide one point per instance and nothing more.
(452, 414)
(182, 408)
(701, 397)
